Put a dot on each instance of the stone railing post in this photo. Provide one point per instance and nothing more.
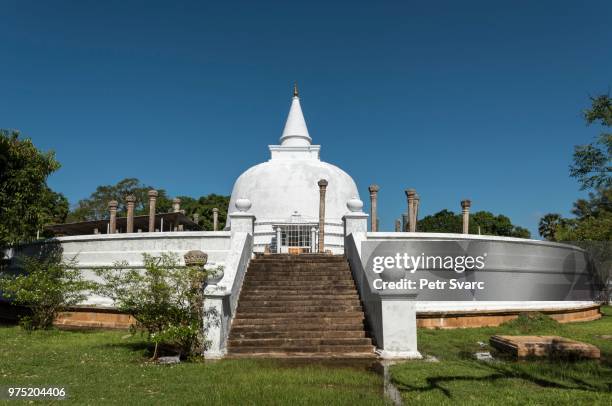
(152, 200)
(322, 189)
(242, 221)
(373, 207)
(398, 225)
(355, 221)
(131, 200)
(215, 219)
(112, 207)
(465, 210)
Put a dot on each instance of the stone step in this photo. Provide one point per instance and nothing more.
(288, 284)
(306, 267)
(308, 356)
(275, 302)
(298, 334)
(265, 325)
(300, 258)
(332, 350)
(301, 316)
(297, 342)
(251, 296)
(300, 290)
(299, 278)
(305, 306)
(246, 310)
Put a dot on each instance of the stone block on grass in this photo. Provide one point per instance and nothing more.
(544, 346)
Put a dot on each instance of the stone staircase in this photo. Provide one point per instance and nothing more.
(299, 306)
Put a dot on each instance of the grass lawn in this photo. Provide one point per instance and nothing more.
(110, 367)
(105, 367)
(460, 379)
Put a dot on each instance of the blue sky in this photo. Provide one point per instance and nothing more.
(474, 99)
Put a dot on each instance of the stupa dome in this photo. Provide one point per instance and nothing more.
(285, 190)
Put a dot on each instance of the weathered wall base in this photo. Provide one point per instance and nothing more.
(490, 318)
(111, 319)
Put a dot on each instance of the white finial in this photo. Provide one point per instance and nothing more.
(295, 132)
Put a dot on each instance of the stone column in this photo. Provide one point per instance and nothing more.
(410, 194)
(279, 238)
(176, 205)
(313, 239)
(131, 200)
(112, 207)
(465, 210)
(322, 189)
(373, 209)
(415, 211)
(398, 225)
(215, 219)
(152, 201)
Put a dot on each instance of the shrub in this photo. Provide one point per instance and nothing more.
(164, 298)
(46, 285)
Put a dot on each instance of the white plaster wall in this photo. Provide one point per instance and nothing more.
(105, 249)
(95, 251)
(425, 307)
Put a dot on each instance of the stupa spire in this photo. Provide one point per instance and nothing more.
(295, 133)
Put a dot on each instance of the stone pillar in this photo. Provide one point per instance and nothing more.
(215, 219)
(322, 189)
(131, 200)
(279, 239)
(196, 218)
(313, 239)
(405, 222)
(152, 200)
(112, 207)
(398, 225)
(176, 205)
(465, 210)
(373, 209)
(410, 194)
(415, 212)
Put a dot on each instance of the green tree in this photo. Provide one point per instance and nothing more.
(444, 221)
(203, 207)
(95, 207)
(549, 224)
(165, 299)
(45, 284)
(483, 222)
(27, 204)
(592, 164)
(592, 168)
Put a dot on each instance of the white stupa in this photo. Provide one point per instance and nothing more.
(285, 196)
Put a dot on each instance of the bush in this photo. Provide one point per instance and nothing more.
(164, 298)
(46, 285)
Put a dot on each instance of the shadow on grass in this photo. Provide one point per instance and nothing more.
(500, 372)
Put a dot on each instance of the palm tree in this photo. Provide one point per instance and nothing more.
(549, 224)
